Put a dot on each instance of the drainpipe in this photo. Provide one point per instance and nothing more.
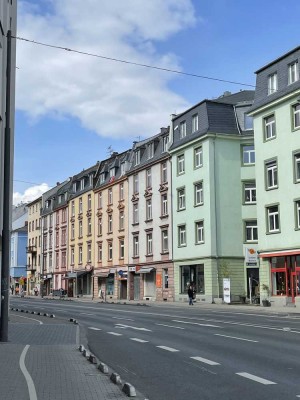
(216, 219)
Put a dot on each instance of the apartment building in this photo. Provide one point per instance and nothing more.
(34, 246)
(111, 227)
(214, 201)
(150, 272)
(276, 114)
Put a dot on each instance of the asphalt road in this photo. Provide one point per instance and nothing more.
(190, 352)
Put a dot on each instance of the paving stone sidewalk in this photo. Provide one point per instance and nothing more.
(58, 370)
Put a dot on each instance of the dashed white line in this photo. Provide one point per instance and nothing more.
(126, 319)
(205, 360)
(171, 326)
(139, 340)
(83, 313)
(196, 323)
(237, 338)
(115, 333)
(256, 378)
(133, 327)
(94, 329)
(167, 348)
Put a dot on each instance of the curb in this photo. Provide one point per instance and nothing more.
(33, 312)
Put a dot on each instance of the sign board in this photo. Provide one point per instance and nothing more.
(158, 280)
(131, 269)
(250, 256)
(226, 290)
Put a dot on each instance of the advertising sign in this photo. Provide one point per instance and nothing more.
(158, 280)
(250, 256)
(226, 290)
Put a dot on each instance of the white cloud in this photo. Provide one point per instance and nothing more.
(113, 99)
(30, 194)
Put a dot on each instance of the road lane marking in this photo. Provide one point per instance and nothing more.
(33, 319)
(237, 338)
(139, 340)
(133, 327)
(171, 326)
(115, 333)
(256, 378)
(83, 313)
(205, 360)
(196, 323)
(167, 348)
(94, 329)
(29, 381)
(127, 319)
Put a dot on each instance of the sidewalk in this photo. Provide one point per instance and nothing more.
(41, 361)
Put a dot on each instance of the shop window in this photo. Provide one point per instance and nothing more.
(192, 275)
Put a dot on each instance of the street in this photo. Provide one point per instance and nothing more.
(175, 352)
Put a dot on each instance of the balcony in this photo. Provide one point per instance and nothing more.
(30, 268)
(31, 249)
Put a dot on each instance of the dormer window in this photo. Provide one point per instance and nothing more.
(59, 198)
(165, 141)
(137, 157)
(48, 203)
(293, 72)
(194, 123)
(91, 179)
(182, 129)
(82, 184)
(112, 172)
(272, 83)
(150, 150)
(123, 168)
(102, 177)
(66, 195)
(74, 187)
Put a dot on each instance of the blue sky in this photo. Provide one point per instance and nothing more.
(70, 108)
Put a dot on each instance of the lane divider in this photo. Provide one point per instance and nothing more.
(29, 381)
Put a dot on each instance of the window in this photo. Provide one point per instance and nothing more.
(198, 157)
(181, 236)
(89, 252)
(272, 83)
(150, 148)
(110, 196)
(64, 215)
(59, 199)
(198, 188)
(192, 275)
(110, 251)
(273, 219)
(99, 252)
(164, 173)
(271, 175)
(194, 123)
(89, 226)
(80, 229)
(110, 223)
(297, 210)
(89, 202)
(149, 244)
(82, 184)
(73, 208)
(99, 226)
(100, 200)
(164, 205)
(270, 127)
(297, 167)
(164, 241)
(181, 199)
(112, 173)
(148, 209)
(296, 116)
(293, 72)
(72, 256)
(122, 249)
(122, 169)
(248, 154)
(135, 246)
(63, 259)
(80, 205)
(80, 254)
(165, 141)
(180, 165)
(135, 213)
(248, 122)
(91, 179)
(63, 237)
(135, 183)
(74, 187)
(250, 193)
(199, 232)
(121, 220)
(102, 177)
(165, 278)
(56, 260)
(137, 157)
(121, 191)
(148, 178)
(182, 129)
(251, 231)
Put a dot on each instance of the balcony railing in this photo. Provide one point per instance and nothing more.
(30, 267)
(31, 249)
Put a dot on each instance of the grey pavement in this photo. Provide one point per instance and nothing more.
(54, 368)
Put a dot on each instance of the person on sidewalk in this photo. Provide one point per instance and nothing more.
(190, 295)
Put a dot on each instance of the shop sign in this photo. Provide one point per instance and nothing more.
(158, 280)
(226, 290)
(250, 256)
(131, 269)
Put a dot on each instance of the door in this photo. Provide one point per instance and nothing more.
(295, 278)
(136, 285)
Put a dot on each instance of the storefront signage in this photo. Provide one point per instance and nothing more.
(250, 256)
(158, 280)
(226, 290)
(131, 269)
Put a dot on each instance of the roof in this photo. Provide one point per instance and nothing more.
(278, 59)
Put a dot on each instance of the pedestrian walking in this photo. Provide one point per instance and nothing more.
(190, 295)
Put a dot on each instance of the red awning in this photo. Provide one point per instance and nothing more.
(282, 253)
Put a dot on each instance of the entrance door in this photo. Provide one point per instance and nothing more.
(295, 278)
(252, 282)
(136, 286)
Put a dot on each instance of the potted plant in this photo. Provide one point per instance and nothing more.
(266, 302)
